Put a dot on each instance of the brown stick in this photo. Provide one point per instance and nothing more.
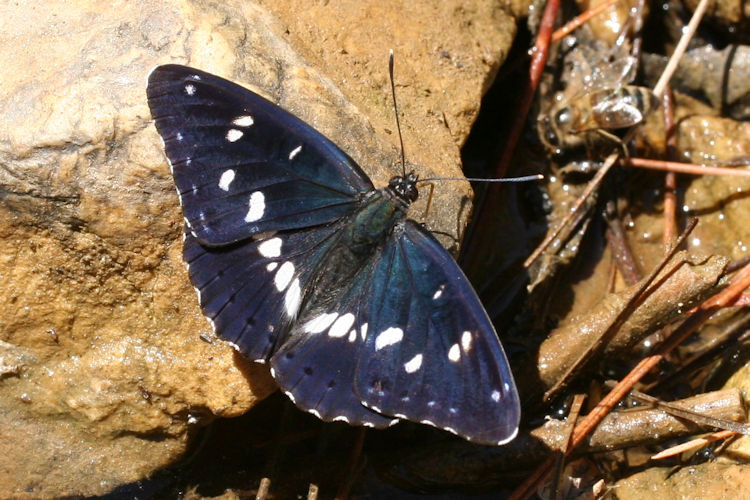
(686, 168)
(579, 20)
(739, 283)
(618, 321)
(670, 178)
(688, 285)
(692, 444)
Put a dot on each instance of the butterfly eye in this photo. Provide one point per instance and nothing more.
(405, 187)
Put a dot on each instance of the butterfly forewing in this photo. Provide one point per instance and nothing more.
(431, 354)
(243, 165)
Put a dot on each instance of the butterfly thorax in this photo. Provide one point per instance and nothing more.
(362, 235)
(379, 213)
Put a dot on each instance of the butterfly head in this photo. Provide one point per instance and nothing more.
(405, 187)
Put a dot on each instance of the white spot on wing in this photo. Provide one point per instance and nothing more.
(243, 121)
(319, 323)
(284, 276)
(495, 396)
(353, 336)
(257, 207)
(234, 135)
(454, 354)
(466, 341)
(438, 292)
(190, 89)
(270, 248)
(290, 396)
(389, 336)
(509, 438)
(226, 179)
(413, 364)
(295, 152)
(341, 326)
(292, 298)
(341, 418)
(364, 331)
(179, 137)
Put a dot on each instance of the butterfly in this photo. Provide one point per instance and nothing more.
(301, 263)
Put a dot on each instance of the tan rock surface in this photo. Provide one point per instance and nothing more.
(103, 374)
(706, 480)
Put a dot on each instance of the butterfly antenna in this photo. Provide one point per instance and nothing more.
(525, 178)
(395, 109)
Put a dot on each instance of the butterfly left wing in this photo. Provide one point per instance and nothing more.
(243, 165)
(252, 291)
(316, 362)
(431, 354)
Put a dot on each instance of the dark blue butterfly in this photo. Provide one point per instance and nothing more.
(300, 262)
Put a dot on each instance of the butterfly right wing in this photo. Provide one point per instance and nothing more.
(406, 338)
(243, 165)
(431, 354)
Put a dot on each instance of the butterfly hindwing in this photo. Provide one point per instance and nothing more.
(317, 363)
(252, 291)
(243, 165)
(431, 354)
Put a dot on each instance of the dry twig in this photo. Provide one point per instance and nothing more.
(739, 283)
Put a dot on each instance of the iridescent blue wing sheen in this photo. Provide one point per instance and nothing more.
(316, 364)
(243, 165)
(406, 338)
(431, 354)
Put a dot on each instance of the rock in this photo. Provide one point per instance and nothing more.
(103, 373)
(707, 480)
(724, 12)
